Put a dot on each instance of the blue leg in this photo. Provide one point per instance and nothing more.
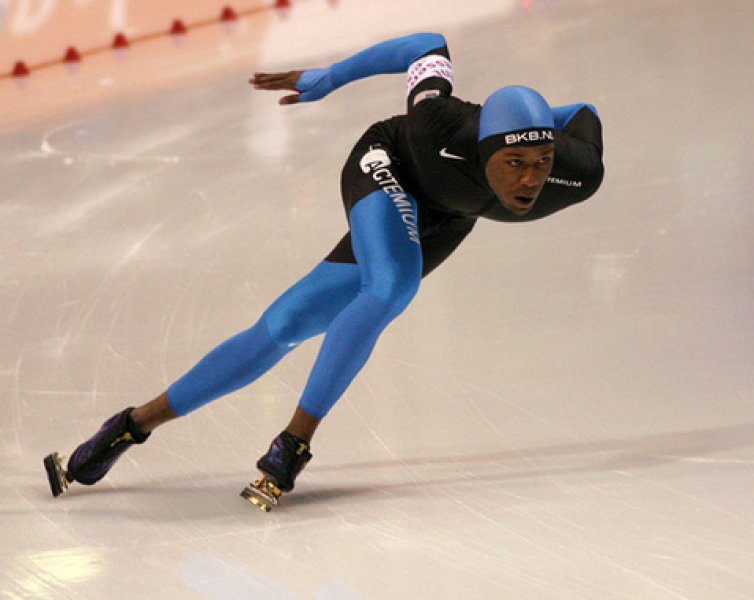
(389, 256)
(304, 311)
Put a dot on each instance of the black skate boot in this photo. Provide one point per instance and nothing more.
(285, 459)
(91, 461)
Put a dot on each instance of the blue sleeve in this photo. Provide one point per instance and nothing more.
(392, 56)
(563, 114)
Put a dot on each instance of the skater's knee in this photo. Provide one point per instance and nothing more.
(291, 329)
(308, 307)
(396, 287)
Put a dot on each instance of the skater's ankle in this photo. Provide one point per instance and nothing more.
(139, 425)
(303, 425)
(151, 415)
(304, 438)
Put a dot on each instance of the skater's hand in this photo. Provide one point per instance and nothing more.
(279, 81)
(309, 85)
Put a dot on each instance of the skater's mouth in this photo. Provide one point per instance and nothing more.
(520, 205)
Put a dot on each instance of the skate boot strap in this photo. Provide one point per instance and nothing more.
(91, 461)
(286, 458)
(137, 436)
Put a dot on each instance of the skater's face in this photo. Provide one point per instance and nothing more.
(518, 174)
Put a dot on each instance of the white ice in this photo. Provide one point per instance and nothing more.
(565, 412)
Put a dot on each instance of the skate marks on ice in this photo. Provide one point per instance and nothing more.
(95, 139)
(412, 478)
(77, 141)
(409, 477)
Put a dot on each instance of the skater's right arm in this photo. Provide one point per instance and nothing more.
(424, 55)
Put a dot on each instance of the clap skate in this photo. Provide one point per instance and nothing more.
(263, 493)
(56, 474)
(285, 459)
(91, 461)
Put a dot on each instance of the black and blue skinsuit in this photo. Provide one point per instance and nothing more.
(413, 187)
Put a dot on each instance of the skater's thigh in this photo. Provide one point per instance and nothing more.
(309, 306)
(386, 245)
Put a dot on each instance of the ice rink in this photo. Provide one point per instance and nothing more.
(566, 410)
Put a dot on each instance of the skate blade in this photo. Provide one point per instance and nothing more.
(263, 494)
(56, 474)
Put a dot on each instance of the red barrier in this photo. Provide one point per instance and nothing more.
(22, 68)
(228, 14)
(72, 55)
(178, 28)
(120, 41)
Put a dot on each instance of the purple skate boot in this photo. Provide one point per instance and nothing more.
(281, 465)
(91, 461)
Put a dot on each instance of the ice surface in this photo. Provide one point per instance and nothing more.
(564, 412)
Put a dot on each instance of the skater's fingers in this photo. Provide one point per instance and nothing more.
(292, 99)
(270, 77)
(276, 81)
(266, 80)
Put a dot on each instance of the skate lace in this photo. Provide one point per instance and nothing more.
(126, 437)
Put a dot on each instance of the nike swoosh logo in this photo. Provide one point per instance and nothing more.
(445, 154)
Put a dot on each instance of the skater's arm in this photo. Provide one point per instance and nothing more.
(424, 55)
(579, 121)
